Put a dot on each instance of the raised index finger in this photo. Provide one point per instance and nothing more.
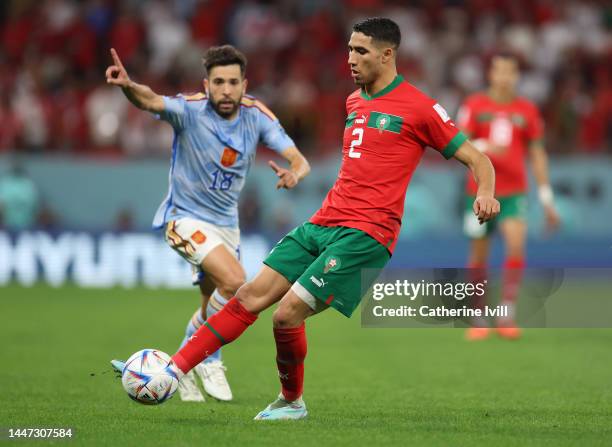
(274, 166)
(116, 58)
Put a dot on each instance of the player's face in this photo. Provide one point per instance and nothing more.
(225, 87)
(504, 73)
(365, 59)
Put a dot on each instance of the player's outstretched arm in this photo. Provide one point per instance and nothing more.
(486, 207)
(298, 168)
(539, 163)
(140, 95)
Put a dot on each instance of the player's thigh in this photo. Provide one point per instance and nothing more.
(289, 258)
(224, 269)
(209, 248)
(514, 233)
(294, 253)
(265, 289)
(343, 272)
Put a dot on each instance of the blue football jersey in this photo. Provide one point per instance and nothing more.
(211, 157)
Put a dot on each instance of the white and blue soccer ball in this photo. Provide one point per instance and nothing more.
(148, 378)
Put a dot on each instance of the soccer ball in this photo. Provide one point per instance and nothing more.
(148, 378)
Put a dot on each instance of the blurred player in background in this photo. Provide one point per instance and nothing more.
(319, 264)
(507, 128)
(216, 137)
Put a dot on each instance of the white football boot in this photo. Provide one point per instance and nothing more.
(213, 378)
(188, 389)
(282, 409)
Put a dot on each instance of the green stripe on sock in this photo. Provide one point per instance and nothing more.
(218, 335)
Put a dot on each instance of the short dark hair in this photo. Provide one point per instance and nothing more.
(224, 55)
(380, 29)
(505, 54)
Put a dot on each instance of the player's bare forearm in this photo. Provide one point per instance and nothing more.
(143, 97)
(486, 207)
(298, 168)
(297, 162)
(484, 174)
(539, 164)
(140, 95)
(481, 168)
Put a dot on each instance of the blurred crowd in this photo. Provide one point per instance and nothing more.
(53, 97)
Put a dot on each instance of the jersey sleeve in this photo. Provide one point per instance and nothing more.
(175, 111)
(437, 130)
(466, 118)
(271, 132)
(535, 125)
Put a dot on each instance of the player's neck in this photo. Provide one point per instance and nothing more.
(380, 83)
(501, 96)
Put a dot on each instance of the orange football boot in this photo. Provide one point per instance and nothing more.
(477, 333)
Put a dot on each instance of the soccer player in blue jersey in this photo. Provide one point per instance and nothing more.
(216, 136)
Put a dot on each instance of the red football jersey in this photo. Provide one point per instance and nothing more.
(510, 128)
(384, 139)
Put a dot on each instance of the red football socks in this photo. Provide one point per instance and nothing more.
(220, 329)
(290, 354)
(513, 275)
(478, 274)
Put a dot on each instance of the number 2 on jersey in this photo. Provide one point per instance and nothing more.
(358, 132)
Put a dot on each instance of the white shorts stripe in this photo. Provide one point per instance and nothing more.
(303, 294)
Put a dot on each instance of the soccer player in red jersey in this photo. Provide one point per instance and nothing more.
(319, 264)
(507, 128)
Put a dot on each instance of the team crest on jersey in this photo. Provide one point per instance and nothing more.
(518, 120)
(331, 263)
(229, 156)
(385, 122)
(382, 122)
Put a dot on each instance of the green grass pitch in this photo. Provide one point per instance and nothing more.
(363, 386)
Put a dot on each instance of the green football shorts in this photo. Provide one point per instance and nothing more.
(328, 263)
(512, 207)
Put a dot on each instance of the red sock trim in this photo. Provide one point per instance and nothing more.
(180, 361)
(240, 312)
(514, 263)
(477, 265)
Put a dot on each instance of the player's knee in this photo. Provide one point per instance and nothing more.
(231, 284)
(286, 316)
(247, 298)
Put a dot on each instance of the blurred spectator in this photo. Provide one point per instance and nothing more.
(19, 199)
(250, 210)
(53, 53)
(124, 222)
(47, 219)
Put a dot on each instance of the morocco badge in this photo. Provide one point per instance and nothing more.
(331, 263)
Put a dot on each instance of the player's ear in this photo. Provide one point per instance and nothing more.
(388, 54)
(205, 84)
(244, 86)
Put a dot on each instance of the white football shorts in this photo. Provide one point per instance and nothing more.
(194, 239)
